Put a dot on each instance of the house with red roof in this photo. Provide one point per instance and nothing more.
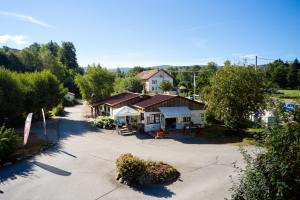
(152, 79)
(151, 113)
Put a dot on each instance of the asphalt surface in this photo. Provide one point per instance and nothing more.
(82, 166)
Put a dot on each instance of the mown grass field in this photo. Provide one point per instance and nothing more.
(288, 94)
(216, 134)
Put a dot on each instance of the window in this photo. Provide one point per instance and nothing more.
(142, 116)
(186, 119)
(154, 82)
(202, 116)
(153, 119)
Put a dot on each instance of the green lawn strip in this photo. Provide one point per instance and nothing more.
(287, 94)
(217, 134)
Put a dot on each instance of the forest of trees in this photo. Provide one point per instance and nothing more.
(35, 77)
(279, 74)
(283, 75)
(61, 60)
(58, 62)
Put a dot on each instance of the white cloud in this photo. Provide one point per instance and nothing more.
(17, 39)
(26, 18)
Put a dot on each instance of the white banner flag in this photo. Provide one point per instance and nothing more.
(27, 128)
(44, 122)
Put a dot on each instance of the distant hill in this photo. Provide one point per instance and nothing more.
(7, 49)
(125, 69)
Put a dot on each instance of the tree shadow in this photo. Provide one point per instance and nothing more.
(215, 134)
(11, 172)
(24, 168)
(143, 136)
(52, 169)
(159, 191)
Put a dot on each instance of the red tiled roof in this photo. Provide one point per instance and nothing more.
(116, 99)
(154, 100)
(144, 75)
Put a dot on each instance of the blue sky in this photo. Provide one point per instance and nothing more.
(157, 32)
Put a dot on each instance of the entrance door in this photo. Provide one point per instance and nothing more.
(128, 120)
(170, 123)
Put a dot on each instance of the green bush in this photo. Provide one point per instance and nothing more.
(9, 142)
(104, 122)
(58, 110)
(130, 168)
(22, 93)
(135, 171)
(274, 174)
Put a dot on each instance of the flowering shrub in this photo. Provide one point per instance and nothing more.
(134, 171)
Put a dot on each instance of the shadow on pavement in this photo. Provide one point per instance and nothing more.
(143, 136)
(23, 169)
(159, 191)
(68, 153)
(52, 169)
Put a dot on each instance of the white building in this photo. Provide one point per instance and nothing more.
(70, 96)
(151, 113)
(153, 78)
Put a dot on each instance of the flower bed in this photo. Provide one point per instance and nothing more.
(134, 171)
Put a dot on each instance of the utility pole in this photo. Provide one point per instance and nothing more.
(194, 86)
(255, 62)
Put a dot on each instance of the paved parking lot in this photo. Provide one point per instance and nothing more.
(83, 166)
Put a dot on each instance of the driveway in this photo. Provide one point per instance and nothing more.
(82, 166)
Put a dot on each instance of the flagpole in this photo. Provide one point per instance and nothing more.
(26, 131)
(45, 126)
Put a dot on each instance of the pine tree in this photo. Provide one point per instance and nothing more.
(293, 79)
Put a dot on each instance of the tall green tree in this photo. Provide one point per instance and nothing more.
(131, 84)
(30, 60)
(165, 86)
(185, 77)
(96, 83)
(235, 93)
(276, 73)
(204, 75)
(119, 73)
(279, 76)
(11, 97)
(134, 71)
(21, 93)
(292, 76)
(227, 63)
(67, 55)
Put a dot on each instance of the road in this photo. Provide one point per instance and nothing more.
(82, 166)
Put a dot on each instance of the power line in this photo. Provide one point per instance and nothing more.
(270, 59)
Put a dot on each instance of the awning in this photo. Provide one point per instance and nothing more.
(125, 111)
(180, 111)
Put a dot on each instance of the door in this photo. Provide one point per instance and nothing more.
(170, 123)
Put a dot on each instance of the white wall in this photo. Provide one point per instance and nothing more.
(179, 123)
(198, 116)
(159, 77)
(150, 127)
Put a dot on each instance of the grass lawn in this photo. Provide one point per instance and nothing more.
(217, 134)
(288, 94)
